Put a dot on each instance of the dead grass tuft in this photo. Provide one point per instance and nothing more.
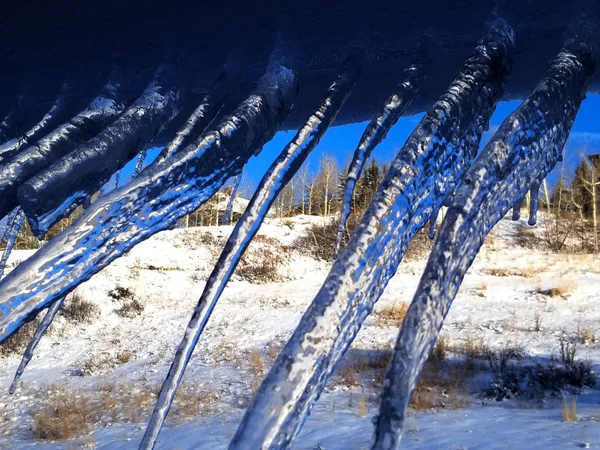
(263, 262)
(391, 316)
(569, 410)
(17, 342)
(65, 415)
(130, 309)
(562, 289)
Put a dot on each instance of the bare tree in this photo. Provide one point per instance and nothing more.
(590, 181)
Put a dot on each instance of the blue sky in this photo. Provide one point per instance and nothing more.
(341, 141)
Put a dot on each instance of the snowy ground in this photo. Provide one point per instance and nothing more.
(118, 362)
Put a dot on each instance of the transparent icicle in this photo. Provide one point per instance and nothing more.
(152, 202)
(516, 209)
(534, 199)
(139, 164)
(56, 191)
(437, 152)
(524, 149)
(35, 340)
(50, 120)
(198, 122)
(278, 175)
(229, 208)
(100, 113)
(14, 223)
(376, 132)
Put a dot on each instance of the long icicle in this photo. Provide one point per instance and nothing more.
(534, 199)
(101, 112)
(153, 202)
(51, 120)
(229, 208)
(278, 175)
(56, 191)
(435, 155)
(11, 237)
(525, 148)
(376, 132)
(516, 209)
(199, 121)
(35, 340)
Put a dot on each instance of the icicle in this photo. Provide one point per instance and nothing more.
(433, 222)
(525, 148)
(117, 180)
(57, 190)
(202, 117)
(13, 227)
(229, 209)
(534, 198)
(35, 340)
(278, 175)
(139, 164)
(152, 202)
(435, 155)
(516, 209)
(102, 111)
(375, 133)
(51, 119)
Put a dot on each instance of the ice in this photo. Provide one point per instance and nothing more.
(524, 150)
(432, 160)
(13, 225)
(279, 174)
(152, 202)
(375, 132)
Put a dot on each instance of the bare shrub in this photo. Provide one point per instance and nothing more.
(65, 415)
(568, 350)
(96, 364)
(123, 357)
(130, 309)
(77, 309)
(525, 237)
(263, 261)
(500, 272)
(121, 293)
(391, 316)
(537, 321)
(17, 342)
(256, 363)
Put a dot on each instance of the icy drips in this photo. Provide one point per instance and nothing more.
(432, 160)
(56, 191)
(139, 164)
(148, 204)
(516, 209)
(376, 132)
(523, 151)
(13, 225)
(35, 340)
(278, 175)
(232, 195)
(534, 197)
(102, 111)
(60, 109)
(199, 121)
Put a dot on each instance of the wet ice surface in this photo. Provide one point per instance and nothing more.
(168, 271)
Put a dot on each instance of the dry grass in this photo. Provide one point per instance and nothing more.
(531, 271)
(569, 410)
(537, 322)
(66, 414)
(500, 272)
(480, 290)
(79, 310)
(441, 349)
(391, 316)
(474, 348)
(256, 364)
(587, 336)
(17, 342)
(561, 289)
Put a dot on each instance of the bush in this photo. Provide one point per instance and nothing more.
(130, 309)
(263, 261)
(17, 342)
(78, 310)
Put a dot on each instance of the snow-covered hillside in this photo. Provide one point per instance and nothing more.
(108, 353)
